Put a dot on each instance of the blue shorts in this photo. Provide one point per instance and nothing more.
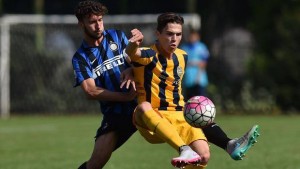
(121, 124)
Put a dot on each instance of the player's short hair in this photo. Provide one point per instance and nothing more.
(88, 7)
(194, 31)
(169, 17)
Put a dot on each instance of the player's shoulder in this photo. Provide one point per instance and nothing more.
(114, 35)
(201, 46)
(114, 31)
(149, 50)
(146, 48)
(79, 54)
(180, 51)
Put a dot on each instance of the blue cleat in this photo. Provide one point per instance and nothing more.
(238, 147)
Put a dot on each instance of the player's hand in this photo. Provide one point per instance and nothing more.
(137, 37)
(131, 94)
(127, 79)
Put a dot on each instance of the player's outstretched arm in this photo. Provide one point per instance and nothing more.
(132, 48)
(97, 93)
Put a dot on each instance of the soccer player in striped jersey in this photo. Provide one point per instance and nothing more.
(195, 83)
(158, 71)
(98, 65)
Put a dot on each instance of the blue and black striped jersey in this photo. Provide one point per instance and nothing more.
(104, 64)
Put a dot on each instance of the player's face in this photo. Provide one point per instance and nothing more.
(170, 37)
(93, 26)
(193, 37)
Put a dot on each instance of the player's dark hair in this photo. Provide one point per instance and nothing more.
(194, 31)
(88, 7)
(169, 17)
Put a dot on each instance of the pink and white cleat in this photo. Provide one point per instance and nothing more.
(187, 156)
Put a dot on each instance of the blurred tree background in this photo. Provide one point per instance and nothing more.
(254, 45)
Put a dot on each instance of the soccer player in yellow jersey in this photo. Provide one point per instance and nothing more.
(158, 71)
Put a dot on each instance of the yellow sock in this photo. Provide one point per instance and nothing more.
(163, 128)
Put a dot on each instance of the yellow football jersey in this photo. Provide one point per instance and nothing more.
(159, 79)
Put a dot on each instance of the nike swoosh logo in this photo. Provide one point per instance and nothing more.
(93, 61)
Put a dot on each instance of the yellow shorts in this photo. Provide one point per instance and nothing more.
(188, 133)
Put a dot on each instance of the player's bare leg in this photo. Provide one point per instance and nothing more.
(146, 117)
(103, 149)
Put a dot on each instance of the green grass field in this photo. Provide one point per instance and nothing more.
(63, 142)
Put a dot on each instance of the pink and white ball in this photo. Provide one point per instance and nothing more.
(199, 111)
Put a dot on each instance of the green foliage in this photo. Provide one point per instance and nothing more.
(32, 142)
(275, 65)
(249, 101)
(259, 101)
(42, 76)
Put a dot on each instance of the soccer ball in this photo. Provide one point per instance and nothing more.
(199, 111)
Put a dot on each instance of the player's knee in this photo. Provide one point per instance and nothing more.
(144, 106)
(141, 109)
(205, 157)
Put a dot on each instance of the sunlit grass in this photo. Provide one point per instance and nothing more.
(60, 142)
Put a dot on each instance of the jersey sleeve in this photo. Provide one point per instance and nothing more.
(146, 57)
(123, 42)
(82, 70)
(124, 39)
